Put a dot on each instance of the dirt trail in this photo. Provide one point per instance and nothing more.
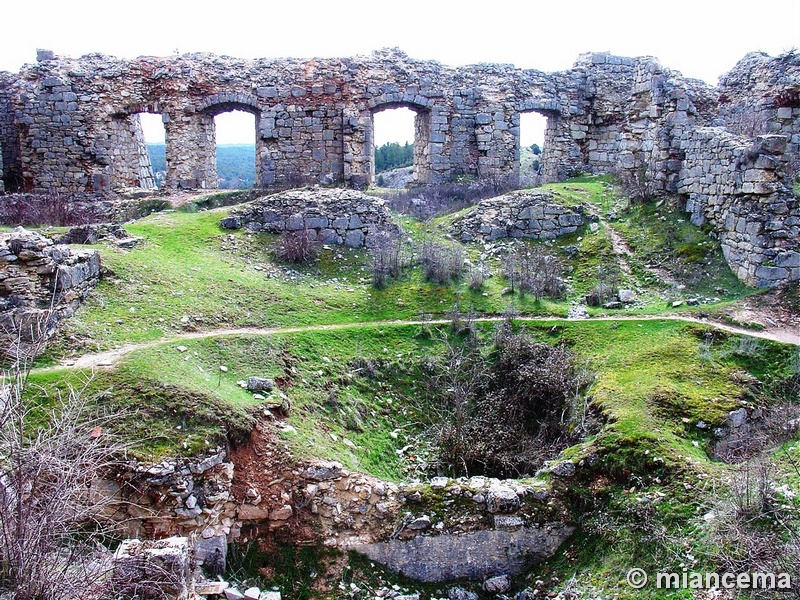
(110, 358)
(622, 251)
(619, 246)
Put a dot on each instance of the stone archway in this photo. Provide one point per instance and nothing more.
(423, 138)
(127, 162)
(206, 157)
(553, 138)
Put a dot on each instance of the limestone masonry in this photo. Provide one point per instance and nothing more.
(329, 216)
(522, 214)
(490, 526)
(72, 125)
(41, 283)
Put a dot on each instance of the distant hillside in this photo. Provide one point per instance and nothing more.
(236, 165)
(393, 156)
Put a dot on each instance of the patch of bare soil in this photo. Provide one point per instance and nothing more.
(767, 313)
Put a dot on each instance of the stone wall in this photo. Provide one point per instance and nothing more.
(9, 137)
(739, 187)
(78, 118)
(40, 284)
(73, 125)
(501, 525)
(761, 95)
(523, 214)
(329, 216)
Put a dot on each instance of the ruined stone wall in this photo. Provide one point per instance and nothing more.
(327, 216)
(41, 283)
(739, 187)
(522, 214)
(9, 137)
(761, 95)
(487, 526)
(72, 125)
(314, 118)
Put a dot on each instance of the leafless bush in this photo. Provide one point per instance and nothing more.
(506, 417)
(44, 209)
(441, 262)
(430, 201)
(754, 530)
(298, 247)
(388, 259)
(533, 270)
(478, 275)
(49, 513)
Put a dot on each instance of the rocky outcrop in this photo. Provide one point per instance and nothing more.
(524, 214)
(473, 555)
(41, 283)
(329, 216)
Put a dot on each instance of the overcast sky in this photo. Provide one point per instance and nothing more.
(700, 38)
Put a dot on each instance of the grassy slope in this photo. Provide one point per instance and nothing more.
(189, 267)
(655, 379)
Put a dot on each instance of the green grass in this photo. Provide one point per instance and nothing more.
(188, 273)
(359, 393)
(660, 234)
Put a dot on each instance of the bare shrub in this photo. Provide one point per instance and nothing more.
(426, 202)
(754, 530)
(388, 259)
(533, 270)
(441, 262)
(297, 247)
(478, 275)
(49, 512)
(508, 416)
(44, 209)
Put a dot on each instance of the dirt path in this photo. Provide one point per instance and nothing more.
(110, 358)
(619, 246)
(622, 251)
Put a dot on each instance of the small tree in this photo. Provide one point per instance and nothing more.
(49, 512)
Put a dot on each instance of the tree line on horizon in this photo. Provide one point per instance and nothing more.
(236, 162)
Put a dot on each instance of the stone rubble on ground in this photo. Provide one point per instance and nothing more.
(327, 216)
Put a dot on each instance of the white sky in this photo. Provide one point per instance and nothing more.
(700, 38)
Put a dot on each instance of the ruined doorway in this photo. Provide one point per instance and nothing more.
(532, 128)
(235, 149)
(154, 137)
(125, 150)
(398, 148)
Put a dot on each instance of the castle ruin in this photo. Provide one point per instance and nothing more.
(733, 152)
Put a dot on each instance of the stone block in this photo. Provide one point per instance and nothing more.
(354, 239)
(212, 553)
(502, 499)
(260, 384)
(164, 564)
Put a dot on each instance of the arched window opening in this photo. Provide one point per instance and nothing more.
(235, 149)
(395, 145)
